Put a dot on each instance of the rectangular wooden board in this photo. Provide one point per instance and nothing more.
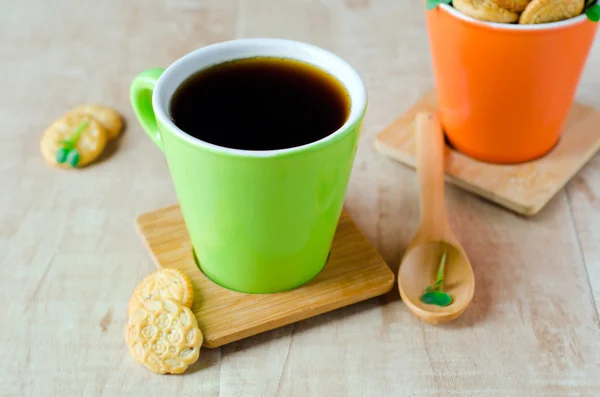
(524, 188)
(354, 272)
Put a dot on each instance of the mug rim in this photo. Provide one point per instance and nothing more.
(511, 26)
(272, 47)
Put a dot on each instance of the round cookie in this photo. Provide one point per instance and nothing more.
(513, 5)
(545, 11)
(74, 140)
(485, 10)
(164, 336)
(163, 284)
(108, 117)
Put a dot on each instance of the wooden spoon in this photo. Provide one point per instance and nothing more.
(422, 259)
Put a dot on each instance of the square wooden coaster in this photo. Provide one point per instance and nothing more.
(524, 188)
(354, 272)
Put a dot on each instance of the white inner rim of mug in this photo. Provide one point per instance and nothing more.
(218, 53)
(510, 26)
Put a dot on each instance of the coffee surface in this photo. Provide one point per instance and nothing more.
(260, 104)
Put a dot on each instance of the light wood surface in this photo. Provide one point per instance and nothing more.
(524, 188)
(70, 256)
(434, 237)
(354, 272)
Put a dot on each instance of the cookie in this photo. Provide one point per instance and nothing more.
(163, 284)
(545, 11)
(108, 117)
(163, 335)
(513, 5)
(74, 140)
(485, 10)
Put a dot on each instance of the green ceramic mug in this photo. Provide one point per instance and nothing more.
(259, 221)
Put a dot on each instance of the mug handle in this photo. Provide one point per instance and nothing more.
(141, 91)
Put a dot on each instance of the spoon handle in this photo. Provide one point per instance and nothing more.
(430, 172)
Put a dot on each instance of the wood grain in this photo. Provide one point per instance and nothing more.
(524, 188)
(583, 194)
(354, 272)
(70, 257)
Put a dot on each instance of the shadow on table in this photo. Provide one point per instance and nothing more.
(301, 326)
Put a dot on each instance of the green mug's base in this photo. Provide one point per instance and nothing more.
(270, 291)
(355, 272)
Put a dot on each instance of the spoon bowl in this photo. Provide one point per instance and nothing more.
(420, 264)
(418, 271)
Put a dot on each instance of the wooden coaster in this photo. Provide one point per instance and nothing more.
(354, 272)
(524, 188)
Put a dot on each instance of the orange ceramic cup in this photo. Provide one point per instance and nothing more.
(505, 90)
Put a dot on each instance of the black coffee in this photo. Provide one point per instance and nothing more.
(260, 104)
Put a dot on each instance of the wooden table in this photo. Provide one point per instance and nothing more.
(70, 256)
